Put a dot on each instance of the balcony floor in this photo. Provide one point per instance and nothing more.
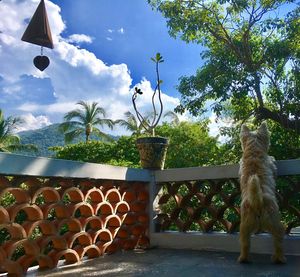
(167, 262)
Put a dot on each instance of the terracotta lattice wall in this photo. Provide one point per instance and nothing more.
(214, 205)
(44, 220)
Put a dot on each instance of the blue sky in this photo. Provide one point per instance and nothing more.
(102, 51)
(144, 33)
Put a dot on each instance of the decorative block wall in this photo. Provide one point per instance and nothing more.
(214, 205)
(44, 220)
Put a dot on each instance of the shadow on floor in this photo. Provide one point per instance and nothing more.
(168, 262)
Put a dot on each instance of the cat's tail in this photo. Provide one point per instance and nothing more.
(255, 194)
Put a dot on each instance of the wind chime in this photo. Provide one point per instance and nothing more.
(38, 32)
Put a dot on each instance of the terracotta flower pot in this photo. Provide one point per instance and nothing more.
(152, 151)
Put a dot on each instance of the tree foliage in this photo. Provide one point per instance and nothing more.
(122, 152)
(131, 123)
(190, 144)
(191, 140)
(9, 141)
(85, 120)
(251, 54)
(284, 144)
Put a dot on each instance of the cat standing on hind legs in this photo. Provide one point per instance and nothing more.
(259, 208)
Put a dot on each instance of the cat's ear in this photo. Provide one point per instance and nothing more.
(263, 129)
(244, 131)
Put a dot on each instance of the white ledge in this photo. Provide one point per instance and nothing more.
(285, 167)
(260, 244)
(12, 164)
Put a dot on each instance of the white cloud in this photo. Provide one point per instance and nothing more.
(29, 107)
(79, 38)
(121, 31)
(144, 101)
(12, 89)
(16, 56)
(80, 57)
(109, 38)
(31, 122)
(56, 108)
(7, 39)
(215, 125)
(148, 91)
(65, 60)
(75, 74)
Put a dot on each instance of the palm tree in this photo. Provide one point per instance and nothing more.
(173, 117)
(83, 121)
(132, 124)
(9, 141)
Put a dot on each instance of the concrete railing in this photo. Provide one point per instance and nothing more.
(198, 208)
(54, 210)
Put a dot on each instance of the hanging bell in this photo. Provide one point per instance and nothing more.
(38, 32)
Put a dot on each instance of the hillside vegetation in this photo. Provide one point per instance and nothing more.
(44, 138)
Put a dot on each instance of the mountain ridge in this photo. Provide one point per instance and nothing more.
(46, 137)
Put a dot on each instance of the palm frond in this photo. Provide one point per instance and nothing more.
(130, 123)
(123, 123)
(173, 117)
(129, 126)
(94, 109)
(102, 135)
(104, 122)
(100, 110)
(8, 140)
(8, 125)
(74, 114)
(132, 120)
(84, 104)
(70, 136)
(11, 139)
(68, 125)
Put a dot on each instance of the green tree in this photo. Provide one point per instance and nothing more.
(131, 123)
(284, 144)
(251, 52)
(9, 141)
(190, 144)
(84, 121)
(173, 117)
(122, 152)
(94, 151)
(125, 152)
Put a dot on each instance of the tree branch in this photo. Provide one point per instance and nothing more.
(257, 89)
(277, 88)
(263, 113)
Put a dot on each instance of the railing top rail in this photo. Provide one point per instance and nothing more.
(285, 167)
(13, 164)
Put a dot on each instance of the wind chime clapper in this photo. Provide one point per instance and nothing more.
(38, 32)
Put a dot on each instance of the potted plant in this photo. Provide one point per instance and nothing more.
(152, 149)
